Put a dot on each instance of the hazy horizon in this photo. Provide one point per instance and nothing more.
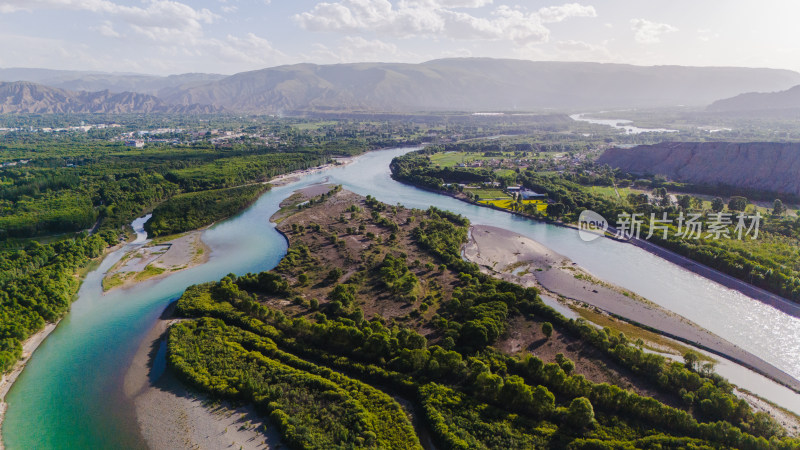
(163, 37)
(377, 62)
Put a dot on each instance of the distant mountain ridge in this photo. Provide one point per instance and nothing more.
(477, 84)
(100, 81)
(761, 166)
(460, 84)
(24, 97)
(758, 101)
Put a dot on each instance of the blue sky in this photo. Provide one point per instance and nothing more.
(229, 36)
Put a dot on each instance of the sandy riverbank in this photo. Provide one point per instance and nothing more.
(516, 258)
(158, 259)
(171, 416)
(287, 178)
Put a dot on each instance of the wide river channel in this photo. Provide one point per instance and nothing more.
(71, 393)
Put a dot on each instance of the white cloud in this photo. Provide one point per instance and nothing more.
(457, 53)
(458, 3)
(438, 18)
(582, 51)
(252, 50)
(563, 12)
(107, 30)
(576, 46)
(358, 49)
(706, 35)
(29, 51)
(647, 32)
(175, 29)
(153, 18)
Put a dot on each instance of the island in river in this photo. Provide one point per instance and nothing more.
(373, 310)
(157, 259)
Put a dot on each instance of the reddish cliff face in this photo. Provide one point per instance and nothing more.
(763, 166)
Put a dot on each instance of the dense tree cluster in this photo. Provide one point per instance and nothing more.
(37, 285)
(469, 395)
(194, 210)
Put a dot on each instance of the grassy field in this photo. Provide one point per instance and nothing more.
(149, 272)
(449, 159)
(490, 193)
(506, 204)
(113, 281)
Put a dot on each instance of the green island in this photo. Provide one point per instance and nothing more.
(373, 331)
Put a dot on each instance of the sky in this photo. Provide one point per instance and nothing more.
(229, 36)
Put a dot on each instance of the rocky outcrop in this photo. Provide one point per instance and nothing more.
(761, 166)
(30, 98)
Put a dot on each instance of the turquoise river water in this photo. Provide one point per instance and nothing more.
(70, 395)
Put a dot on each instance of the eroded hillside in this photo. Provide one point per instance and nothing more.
(762, 166)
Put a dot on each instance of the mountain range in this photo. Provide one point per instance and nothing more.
(74, 80)
(460, 84)
(758, 102)
(31, 98)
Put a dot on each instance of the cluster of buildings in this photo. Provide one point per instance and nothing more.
(524, 193)
(14, 163)
(82, 128)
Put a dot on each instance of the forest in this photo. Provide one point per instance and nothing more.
(37, 285)
(769, 262)
(68, 181)
(376, 304)
(194, 210)
(66, 196)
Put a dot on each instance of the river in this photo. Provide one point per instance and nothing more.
(70, 394)
(620, 124)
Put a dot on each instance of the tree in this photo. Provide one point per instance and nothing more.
(334, 275)
(717, 204)
(737, 204)
(660, 192)
(778, 208)
(565, 363)
(638, 199)
(580, 413)
(685, 201)
(302, 278)
(547, 329)
(556, 210)
(690, 359)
